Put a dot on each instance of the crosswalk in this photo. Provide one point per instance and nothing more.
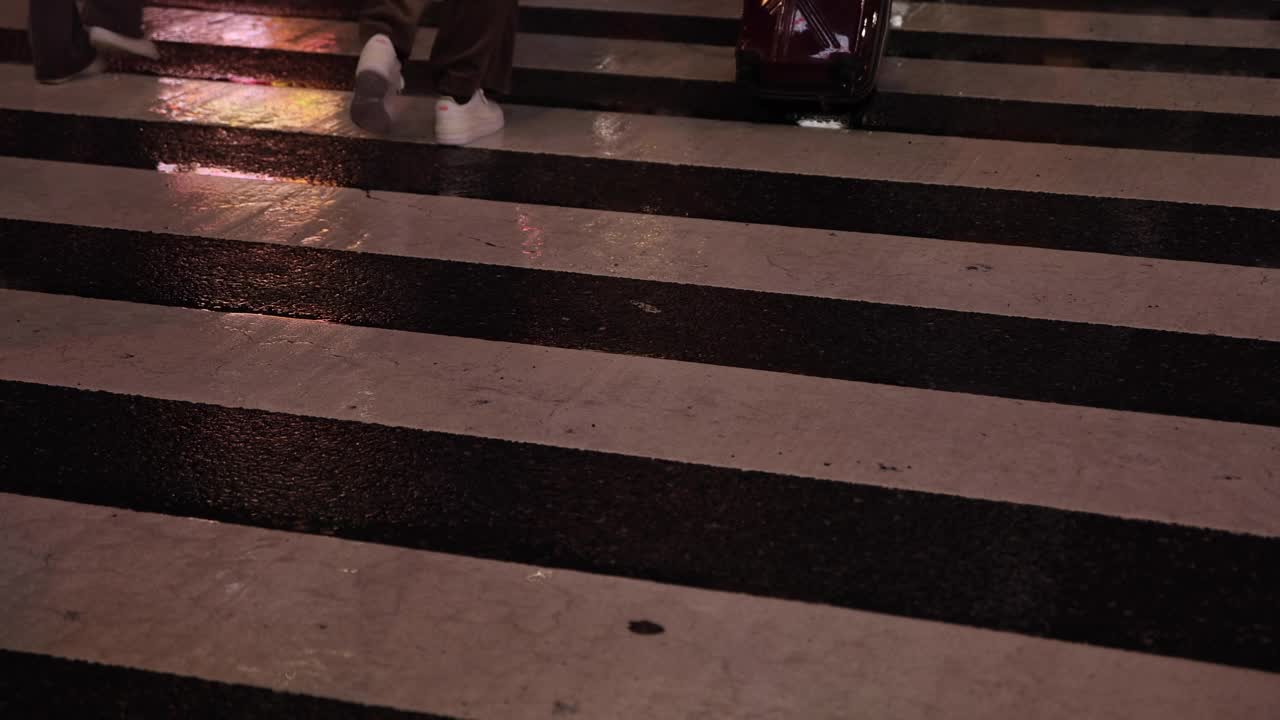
(660, 403)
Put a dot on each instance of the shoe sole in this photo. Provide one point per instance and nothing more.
(470, 135)
(369, 102)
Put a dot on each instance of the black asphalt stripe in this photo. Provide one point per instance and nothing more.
(1100, 126)
(630, 26)
(1120, 368)
(1069, 124)
(42, 686)
(1143, 228)
(1248, 9)
(1202, 59)
(1150, 587)
(331, 9)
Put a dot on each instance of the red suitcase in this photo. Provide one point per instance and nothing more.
(825, 50)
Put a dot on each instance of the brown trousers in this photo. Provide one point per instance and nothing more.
(473, 48)
(56, 31)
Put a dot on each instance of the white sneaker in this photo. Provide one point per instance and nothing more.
(377, 76)
(461, 124)
(113, 42)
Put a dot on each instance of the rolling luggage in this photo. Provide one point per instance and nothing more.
(824, 50)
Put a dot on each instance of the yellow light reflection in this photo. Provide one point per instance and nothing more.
(247, 30)
(247, 105)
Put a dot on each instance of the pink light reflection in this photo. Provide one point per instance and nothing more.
(533, 243)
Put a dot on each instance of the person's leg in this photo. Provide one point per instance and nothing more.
(472, 53)
(387, 28)
(115, 26)
(60, 45)
(474, 47)
(397, 19)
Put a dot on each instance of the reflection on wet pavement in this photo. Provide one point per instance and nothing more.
(257, 31)
(692, 412)
(253, 107)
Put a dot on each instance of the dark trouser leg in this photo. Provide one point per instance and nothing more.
(474, 47)
(397, 19)
(59, 43)
(119, 16)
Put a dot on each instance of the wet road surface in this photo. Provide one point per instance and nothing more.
(659, 403)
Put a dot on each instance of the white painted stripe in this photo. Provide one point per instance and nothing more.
(696, 8)
(1083, 86)
(1077, 25)
(1172, 469)
(476, 638)
(1004, 280)
(1088, 171)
